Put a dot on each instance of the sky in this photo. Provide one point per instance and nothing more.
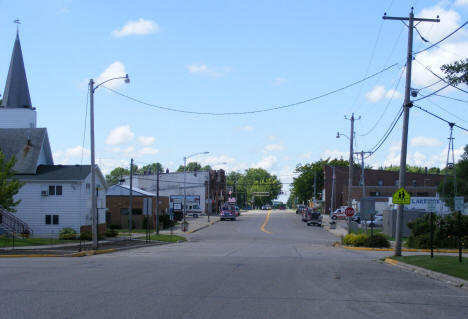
(237, 56)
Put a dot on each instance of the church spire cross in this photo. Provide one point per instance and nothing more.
(18, 22)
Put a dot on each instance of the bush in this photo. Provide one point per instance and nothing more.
(115, 226)
(363, 240)
(87, 235)
(111, 233)
(378, 240)
(165, 222)
(67, 233)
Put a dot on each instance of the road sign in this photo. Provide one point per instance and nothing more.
(349, 211)
(401, 196)
(459, 203)
(147, 206)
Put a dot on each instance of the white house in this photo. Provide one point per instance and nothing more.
(52, 196)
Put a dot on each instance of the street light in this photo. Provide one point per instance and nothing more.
(92, 89)
(185, 188)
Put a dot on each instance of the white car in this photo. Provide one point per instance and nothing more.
(378, 221)
(339, 213)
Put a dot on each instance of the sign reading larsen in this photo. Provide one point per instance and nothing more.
(401, 196)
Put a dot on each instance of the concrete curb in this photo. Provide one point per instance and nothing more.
(453, 281)
(444, 251)
(203, 227)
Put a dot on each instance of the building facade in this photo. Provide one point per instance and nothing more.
(379, 184)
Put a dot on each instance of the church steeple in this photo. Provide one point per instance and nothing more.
(16, 94)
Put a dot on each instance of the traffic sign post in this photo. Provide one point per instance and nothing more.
(431, 207)
(349, 211)
(401, 197)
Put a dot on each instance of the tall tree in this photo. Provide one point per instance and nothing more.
(153, 167)
(191, 167)
(116, 174)
(456, 72)
(9, 186)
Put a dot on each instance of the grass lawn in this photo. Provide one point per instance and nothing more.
(7, 241)
(138, 231)
(168, 238)
(444, 264)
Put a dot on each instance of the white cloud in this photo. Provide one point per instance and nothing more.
(202, 68)
(266, 162)
(138, 27)
(378, 93)
(107, 165)
(116, 69)
(146, 140)
(279, 80)
(307, 155)
(217, 162)
(424, 141)
(71, 155)
(461, 2)
(77, 151)
(148, 151)
(246, 128)
(274, 147)
(120, 135)
(449, 21)
(332, 154)
(392, 94)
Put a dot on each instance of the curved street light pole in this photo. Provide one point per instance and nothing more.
(185, 188)
(94, 211)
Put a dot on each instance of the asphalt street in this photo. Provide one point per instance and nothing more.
(255, 267)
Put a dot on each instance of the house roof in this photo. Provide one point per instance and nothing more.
(26, 145)
(58, 173)
(16, 94)
(124, 190)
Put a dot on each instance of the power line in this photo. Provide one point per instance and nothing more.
(443, 39)
(440, 78)
(452, 98)
(386, 107)
(387, 134)
(253, 111)
(454, 115)
(440, 118)
(431, 94)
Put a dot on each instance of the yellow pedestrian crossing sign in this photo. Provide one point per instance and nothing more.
(401, 196)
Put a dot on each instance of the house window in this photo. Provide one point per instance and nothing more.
(397, 182)
(55, 190)
(380, 182)
(51, 219)
(414, 182)
(374, 193)
(88, 187)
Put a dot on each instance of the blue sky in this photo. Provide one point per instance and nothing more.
(231, 56)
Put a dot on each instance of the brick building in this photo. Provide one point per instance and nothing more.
(379, 184)
(118, 199)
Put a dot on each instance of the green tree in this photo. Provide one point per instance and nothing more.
(413, 169)
(116, 174)
(191, 167)
(9, 186)
(151, 168)
(446, 188)
(456, 72)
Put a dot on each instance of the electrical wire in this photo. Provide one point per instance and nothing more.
(428, 86)
(440, 78)
(443, 39)
(386, 135)
(431, 94)
(253, 111)
(440, 118)
(386, 107)
(451, 98)
(447, 111)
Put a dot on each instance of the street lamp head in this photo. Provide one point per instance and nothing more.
(337, 134)
(127, 79)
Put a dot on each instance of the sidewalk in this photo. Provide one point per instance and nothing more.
(338, 231)
(194, 224)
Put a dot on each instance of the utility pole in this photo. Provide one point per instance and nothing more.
(94, 227)
(157, 200)
(315, 185)
(130, 200)
(407, 104)
(350, 171)
(363, 181)
(332, 204)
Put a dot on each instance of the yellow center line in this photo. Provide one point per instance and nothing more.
(267, 218)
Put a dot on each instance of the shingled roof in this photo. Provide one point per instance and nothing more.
(26, 145)
(16, 94)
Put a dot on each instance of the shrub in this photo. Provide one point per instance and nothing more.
(165, 222)
(378, 240)
(111, 233)
(87, 235)
(115, 226)
(67, 233)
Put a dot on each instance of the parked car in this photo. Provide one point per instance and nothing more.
(377, 222)
(237, 211)
(356, 218)
(315, 219)
(227, 212)
(299, 208)
(339, 213)
(305, 214)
